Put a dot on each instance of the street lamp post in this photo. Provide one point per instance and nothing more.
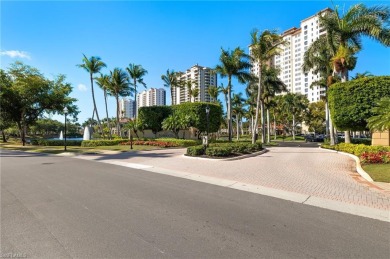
(65, 112)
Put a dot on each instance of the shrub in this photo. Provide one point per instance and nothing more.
(180, 142)
(375, 157)
(195, 150)
(151, 143)
(219, 151)
(55, 142)
(96, 143)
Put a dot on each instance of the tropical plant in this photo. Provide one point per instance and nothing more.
(176, 122)
(171, 80)
(314, 117)
(93, 65)
(263, 47)
(192, 89)
(238, 110)
(136, 74)
(103, 82)
(213, 91)
(381, 121)
(118, 86)
(362, 75)
(233, 64)
(295, 104)
(345, 32)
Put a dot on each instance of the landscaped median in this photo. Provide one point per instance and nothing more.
(224, 150)
(375, 160)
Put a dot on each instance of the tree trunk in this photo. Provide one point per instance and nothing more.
(268, 128)
(238, 126)
(229, 110)
(274, 127)
(94, 105)
(258, 106)
(331, 129)
(4, 138)
(347, 133)
(108, 121)
(293, 127)
(327, 119)
(117, 117)
(22, 133)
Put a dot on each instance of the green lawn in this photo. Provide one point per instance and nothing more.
(378, 172)
(78, 150)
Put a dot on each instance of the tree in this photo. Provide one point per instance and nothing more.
(176, 122)
(136, 73)
(171, 80)
(263, 47)
(346, 32)
(213, 91)
(381, 121)
(118, 87)
(103, 82)
(317, 58)
(233, 64)
(362, 75)
(26, 95)
(93, 65)
(193, 92)
(314, 117)
(153, 116)
(295, 104)
(238, 110)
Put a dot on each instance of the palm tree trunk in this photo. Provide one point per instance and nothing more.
(258, 105)
(274, 127)
(238, 126)
(293, 127)
(118, 130)
(108, 121)
(135, 101)
(229, 110)
(331, 129)
(94, 104)
(327, 118)
(268, 128)
(347, 133)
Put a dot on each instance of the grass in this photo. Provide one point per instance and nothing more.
(378, 172)
(71, 149)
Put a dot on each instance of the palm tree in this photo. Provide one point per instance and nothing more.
(346, 32)
(263, 47)
(118, 87)
(193, 92)
(272, 86)
(171, 80)
(362, 75)
(381, 121)
(213, 91)
(233, 64)
(295, 104)
(237, 110)
(103, 82)
(136, 73)
(93, 65)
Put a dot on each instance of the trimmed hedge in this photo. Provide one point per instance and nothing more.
(97, 143)
(224, 149)
(356, 149)
(180, 142)
(195, 150)
(55, 142)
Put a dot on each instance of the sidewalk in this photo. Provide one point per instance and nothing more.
(303, 171)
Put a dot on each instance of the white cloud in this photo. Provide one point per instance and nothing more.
(82, 88)
(15, 54)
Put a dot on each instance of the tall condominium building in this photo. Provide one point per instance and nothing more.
(151, 97)
(290, 60)
(127, 108)
(201, 78)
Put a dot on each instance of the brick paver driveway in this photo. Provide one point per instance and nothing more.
(312, 171)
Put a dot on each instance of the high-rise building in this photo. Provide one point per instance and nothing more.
(127, 108)
(290, 60)
(201, 78)
(151, 97)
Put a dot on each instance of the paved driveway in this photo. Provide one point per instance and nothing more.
(311, 171)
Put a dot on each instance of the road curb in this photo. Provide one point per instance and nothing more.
(359, 168)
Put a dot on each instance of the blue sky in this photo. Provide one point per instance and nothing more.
(52, 36)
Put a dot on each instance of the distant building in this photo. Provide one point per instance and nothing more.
(201, 78)
(151, 97)
(127, 108)
(290, 60)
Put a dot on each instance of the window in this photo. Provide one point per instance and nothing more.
(305, 27)
(305, 43)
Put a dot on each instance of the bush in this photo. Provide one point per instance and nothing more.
(180, 142)
(55, 142)
(375, 157)
(219, 151)
(97, 143)
(195, 150)
(151, 143)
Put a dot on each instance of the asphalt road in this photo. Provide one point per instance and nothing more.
(56, 207)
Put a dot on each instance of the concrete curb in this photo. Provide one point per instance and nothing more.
(231, 158)
(359, 168)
